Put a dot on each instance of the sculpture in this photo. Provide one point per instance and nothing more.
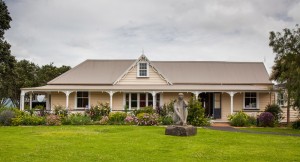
(180, 111)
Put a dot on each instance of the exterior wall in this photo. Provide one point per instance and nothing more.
(225, 108)
(98, 97)
(118, 101)
(58, 98)
(294, 114)
(131, 78)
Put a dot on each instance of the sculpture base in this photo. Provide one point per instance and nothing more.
(179, 130)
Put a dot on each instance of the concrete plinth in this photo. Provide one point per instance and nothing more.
(178, 130)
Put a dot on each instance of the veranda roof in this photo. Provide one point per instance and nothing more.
(147, 88)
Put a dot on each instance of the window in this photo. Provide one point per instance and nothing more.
(143, 69)
(139, 100)
(82, 99)
(280, 99)
(250, 100)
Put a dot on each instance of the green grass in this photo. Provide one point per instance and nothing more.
(137, 143)
(281, 130)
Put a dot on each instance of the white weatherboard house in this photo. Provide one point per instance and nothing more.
(223, 87)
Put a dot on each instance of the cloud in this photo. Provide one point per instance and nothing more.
(70, 31)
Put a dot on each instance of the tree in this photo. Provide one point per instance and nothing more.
(286, 69)
(7, 61)
(48, 72)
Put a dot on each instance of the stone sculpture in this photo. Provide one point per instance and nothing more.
(180, 111)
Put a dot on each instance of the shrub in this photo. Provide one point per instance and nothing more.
(61, 111)
(130, 120)
(166, 109)
(41, 109)
(252, 120)
(77, 119)
(166, 120)
(117, 118)
(296, 124)
(275, 110)
(147, 119)
(27, 119)
(96, 112)
(104, 120)
(266, 119)
(53, 120)
(6, 117)
(196, 113)
(239, 119)
(148, 109)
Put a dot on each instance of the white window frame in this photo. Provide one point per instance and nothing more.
(138, 70)
(138, 100)
(257, 101)
(89, 100)
(280, 100)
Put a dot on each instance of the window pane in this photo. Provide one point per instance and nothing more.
(143, 72)
(85, 94)
(133, 96)
(85, 102)
(79, 94)
(79, 102)
(133, 104)
(143, 96)
(150, 100)
(143, 65)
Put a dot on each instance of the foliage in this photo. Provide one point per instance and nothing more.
(266, 119)
(6, 117)
(196, 113)
(148, 109)
(252, 120)
(286, 69)
(61, 111)
(239, 119)
(104, 120)
(147, 119)
(296, 124)
(117, 118)
(77, 119)
(7, 61)
(166, 120)
(166, 109)
(41, 109)
(130, 120)
(53, 120)
(96, 112)
(275, 110)
(27, 119)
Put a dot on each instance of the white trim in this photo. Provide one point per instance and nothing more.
(124, 100)
(145, 59)
(138, 101)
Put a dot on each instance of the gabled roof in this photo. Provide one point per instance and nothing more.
(107, 72)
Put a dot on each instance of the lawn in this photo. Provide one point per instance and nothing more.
(137, 143)
(279, 130)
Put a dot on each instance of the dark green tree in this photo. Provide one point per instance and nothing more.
(286, 69)
(7, 61)
(48, 72)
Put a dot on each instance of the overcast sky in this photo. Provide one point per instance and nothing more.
(68, 32)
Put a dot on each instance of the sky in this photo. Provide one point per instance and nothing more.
(67, 32)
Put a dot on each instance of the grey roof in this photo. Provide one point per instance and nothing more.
(105, 72)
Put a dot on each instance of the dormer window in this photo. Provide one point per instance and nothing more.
(143, 69)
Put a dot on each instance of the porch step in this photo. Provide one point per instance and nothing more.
(220, 124)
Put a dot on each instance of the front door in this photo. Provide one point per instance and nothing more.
(217, 105)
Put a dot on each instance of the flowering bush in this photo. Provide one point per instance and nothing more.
(96, 112)
(53, 120)
(104, 120)
(117, 118)
(130, 120)
(27, 119)
(61, 111)
(266, 119)
(147, 119)
(276, 111)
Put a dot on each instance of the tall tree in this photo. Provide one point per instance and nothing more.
(49, 72)
(7, 61)
(286, 69)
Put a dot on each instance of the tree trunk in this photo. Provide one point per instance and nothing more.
(288, 108)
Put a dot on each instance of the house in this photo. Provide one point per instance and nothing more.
(222, 87)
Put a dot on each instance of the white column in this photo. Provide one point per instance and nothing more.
(67, 98)
(48, 101)
(231, 101)
(22, 97)
(154, 99)
(196, 93)
(30, 101)
(111, 93)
